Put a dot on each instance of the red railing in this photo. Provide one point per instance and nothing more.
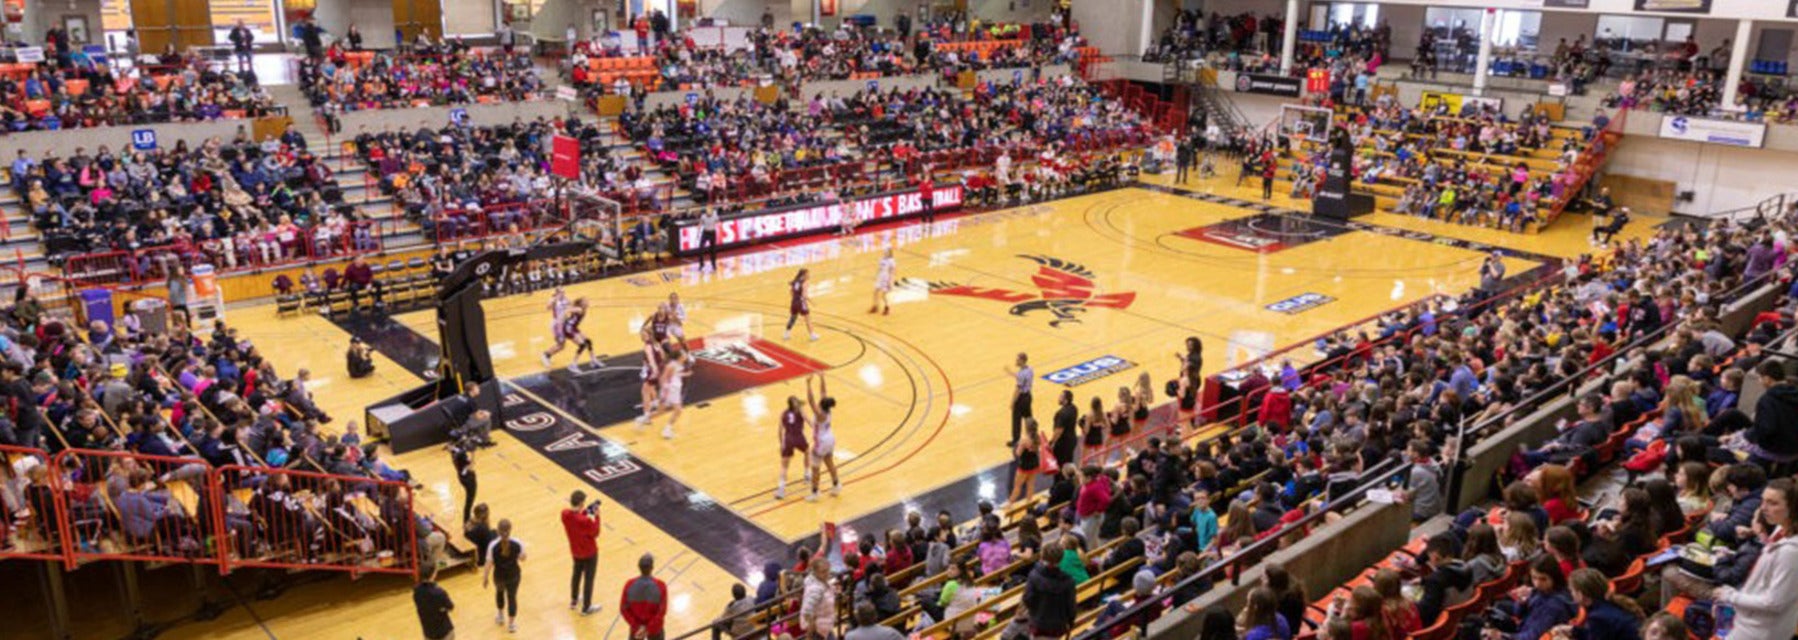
(303, 245)
(1587, 164)
(281, 518)
(30, 527)
(125, 506)
(81, 506)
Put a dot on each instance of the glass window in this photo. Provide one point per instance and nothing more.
(1344, 14)
(258, 15)
(1626, 33)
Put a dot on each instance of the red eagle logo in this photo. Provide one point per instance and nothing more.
(1065, 289)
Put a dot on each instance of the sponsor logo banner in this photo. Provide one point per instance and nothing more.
(1728, 132)
(1079, 374)
(1300, 303)
(771, 225)
(1269, 84)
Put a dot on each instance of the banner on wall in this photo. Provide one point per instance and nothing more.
(827, 7)
(1674, 6)
(1269, 84)
(1456, 102)
(1726, 132)
(1567, 4)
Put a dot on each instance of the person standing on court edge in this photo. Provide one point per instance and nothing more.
(644, 602)
(582, 526)
(434, 608)
(1020, 397)
(708, 237)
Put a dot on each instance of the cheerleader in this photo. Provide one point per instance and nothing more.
(883, 283)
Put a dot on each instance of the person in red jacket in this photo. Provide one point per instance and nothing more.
(1094, 498)
(644, 602)
(582, 526)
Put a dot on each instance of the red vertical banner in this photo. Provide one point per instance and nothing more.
(827, 7)
(565, 157)
(1317, 80)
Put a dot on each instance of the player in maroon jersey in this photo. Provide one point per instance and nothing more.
(792, 440)
(801, 305)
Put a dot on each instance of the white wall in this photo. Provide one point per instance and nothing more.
(745, 12)
(41, 15)
(1720, 177)
(1258, 7)
(469, 17)
(373, 17)
(1114, 26)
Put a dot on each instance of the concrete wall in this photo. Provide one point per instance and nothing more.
(40, 16)
(435, 117)
(745, 12)
(470, 17)
(64, 142)
(1330, 555)
(849, 87)
(1720, 177)
(1114, 26)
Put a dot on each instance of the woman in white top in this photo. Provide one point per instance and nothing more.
(883, 283)
(824, 440)
(1767, 603)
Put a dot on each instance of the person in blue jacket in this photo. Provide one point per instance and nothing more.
(1543, 605)
(1608, 617)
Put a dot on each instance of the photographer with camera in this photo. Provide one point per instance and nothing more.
(582, 526)
(361, 360)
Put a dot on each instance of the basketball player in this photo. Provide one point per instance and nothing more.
(651, 374)
(883, 283)
(677, 315)
(571, 330)
(792, 440)
(800, 306)
(672, 374)
(558, 308)
(824, 440)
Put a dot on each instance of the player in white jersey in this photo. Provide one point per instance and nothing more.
(678, 367)
(558, 309)
(651, 374)
(883, 283)
(677, 317)
(824, 440)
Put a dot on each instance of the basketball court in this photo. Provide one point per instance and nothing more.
(923, 393)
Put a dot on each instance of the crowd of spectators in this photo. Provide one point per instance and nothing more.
(449, 74)
(190, 400)
(76, 91)
(714, 146)
(1477, 166)
(792, 57)
(1669, 90)
(227, 203)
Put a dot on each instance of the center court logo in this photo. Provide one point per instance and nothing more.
(1064, 289)
(738, 355)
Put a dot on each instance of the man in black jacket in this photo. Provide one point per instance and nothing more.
(1773, 439)
(434, 606)
(1593, 428)
(1049, 596)
(1448, 580)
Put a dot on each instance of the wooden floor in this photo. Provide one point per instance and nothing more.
(923, 392)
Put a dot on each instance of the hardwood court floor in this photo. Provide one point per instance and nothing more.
(923, 393)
